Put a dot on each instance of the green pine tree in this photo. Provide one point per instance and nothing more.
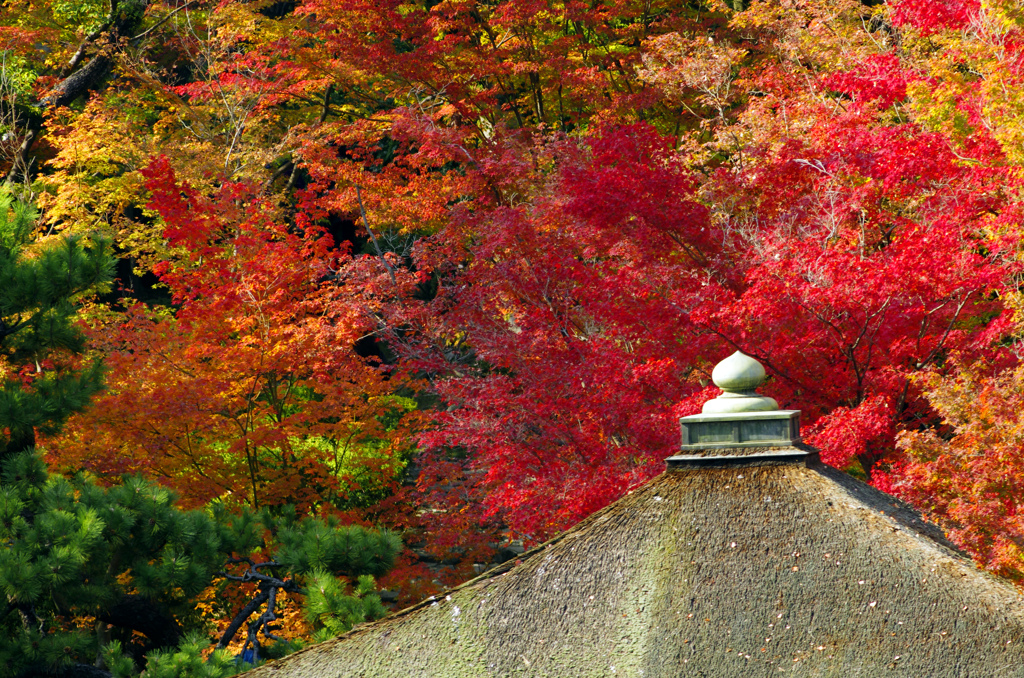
(86, 565)
(40, 384)
(86, 570)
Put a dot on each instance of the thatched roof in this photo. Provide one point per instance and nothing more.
(746, 566)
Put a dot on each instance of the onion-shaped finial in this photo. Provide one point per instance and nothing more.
(738, 376)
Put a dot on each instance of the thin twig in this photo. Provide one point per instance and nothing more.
(162, 21)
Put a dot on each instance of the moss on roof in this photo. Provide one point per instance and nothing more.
(735, 571)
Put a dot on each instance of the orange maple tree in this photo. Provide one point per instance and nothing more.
(247, 389)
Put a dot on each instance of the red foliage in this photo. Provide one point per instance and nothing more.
(599, 307)
(844, 434)
(831, 188)
(880, 79)
(930, 16)
(572, 397)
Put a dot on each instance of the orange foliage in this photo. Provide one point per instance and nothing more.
(968, 473)
(249, 391)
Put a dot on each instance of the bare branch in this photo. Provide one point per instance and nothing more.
(79, 54)
(327, 104)
(157, 25)
(376, 244)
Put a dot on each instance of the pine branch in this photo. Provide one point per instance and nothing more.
(268, 592)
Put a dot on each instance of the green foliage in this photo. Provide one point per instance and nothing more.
(77, 550)
(333, 608)
(41, 382)
(16, 76)
(116, 662)
(317, 545)
(323, 556)
(184, 661)
(87, 15)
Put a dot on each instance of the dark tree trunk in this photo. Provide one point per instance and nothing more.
(125, 19)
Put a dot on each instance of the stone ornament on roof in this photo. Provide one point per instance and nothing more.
(738, 376)
(740, 426)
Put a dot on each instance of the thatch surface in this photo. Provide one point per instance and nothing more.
(737, 571)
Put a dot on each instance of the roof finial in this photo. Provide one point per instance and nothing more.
(740, 426)
(738, 376)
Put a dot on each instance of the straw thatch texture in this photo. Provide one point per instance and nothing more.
(736, 571)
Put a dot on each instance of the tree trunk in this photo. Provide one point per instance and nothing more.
(124, 21)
